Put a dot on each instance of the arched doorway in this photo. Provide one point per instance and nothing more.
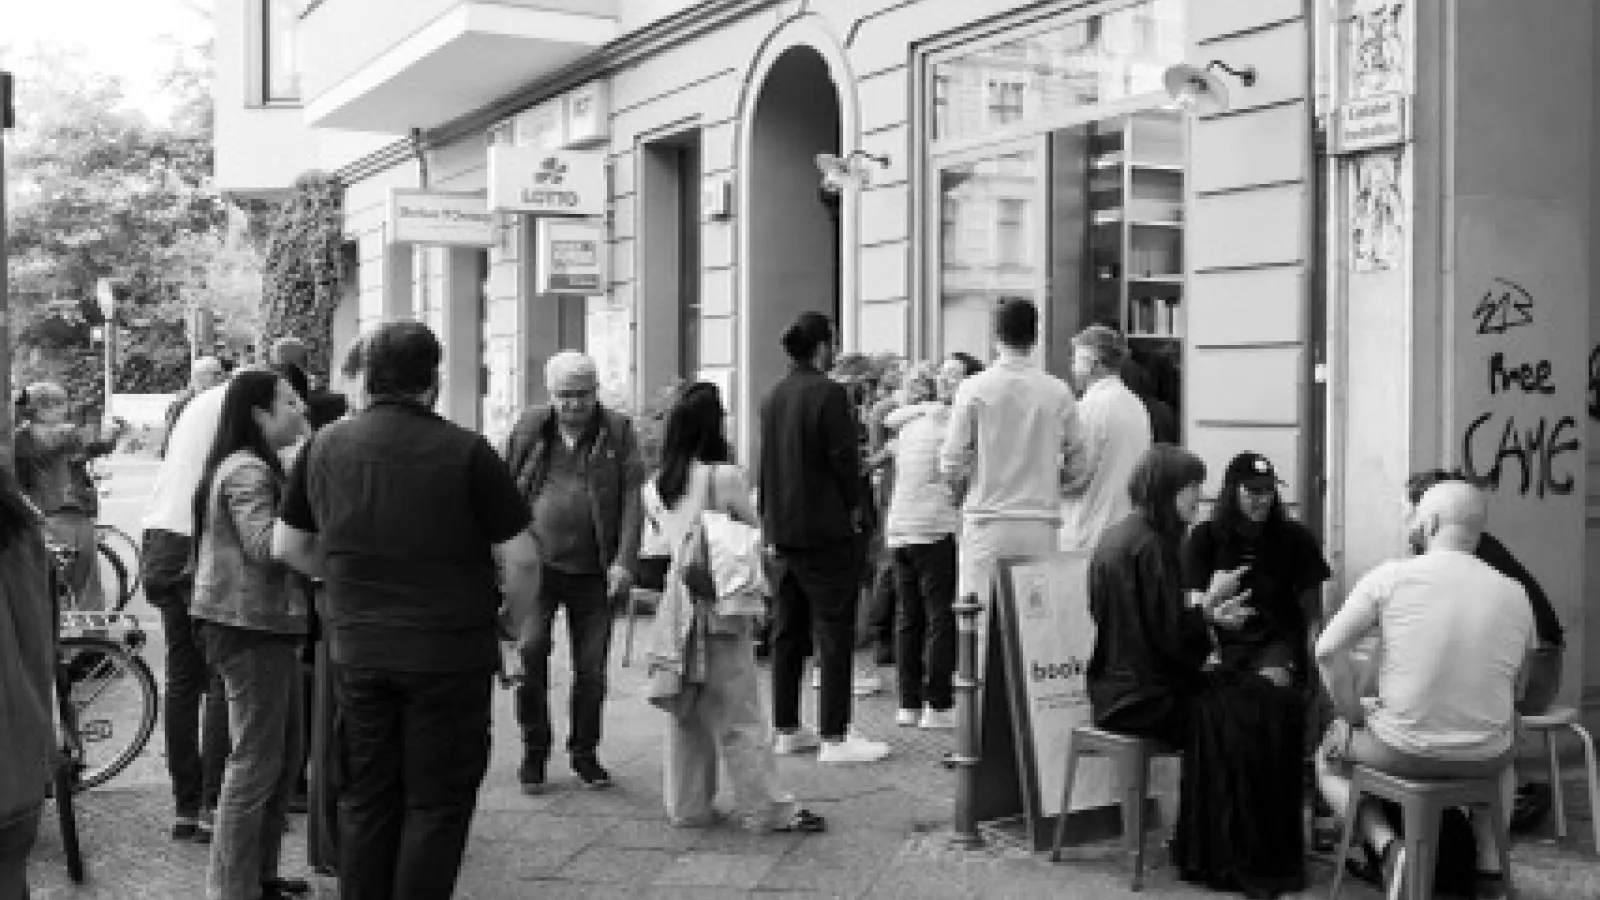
(794, 228)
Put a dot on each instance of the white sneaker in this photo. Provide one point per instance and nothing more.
(938, 720)
(906, 718)
(795, 742)
(853, 749)
(866, 684)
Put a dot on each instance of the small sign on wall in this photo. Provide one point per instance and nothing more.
(1371, 123)
(587, 115)
(547, 182)
(542, 127)
(571, 258)
(440, 218)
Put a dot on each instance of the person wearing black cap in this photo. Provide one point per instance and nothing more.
(811, 497)
(1280, 564)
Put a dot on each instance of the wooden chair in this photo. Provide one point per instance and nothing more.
(1131, 756)
(1548, 724)
(1422, 804)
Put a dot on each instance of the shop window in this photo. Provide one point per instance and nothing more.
(1045, 193)
(1058, 67)
(273, 34)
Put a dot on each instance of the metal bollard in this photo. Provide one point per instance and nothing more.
(966, 683)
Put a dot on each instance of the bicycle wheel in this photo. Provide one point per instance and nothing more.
(67, 815)
(127, 550)
(114, 696)
(113, 577)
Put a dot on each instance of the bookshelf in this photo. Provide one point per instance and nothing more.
(1136, 203)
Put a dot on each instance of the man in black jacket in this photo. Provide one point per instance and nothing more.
(811, 498)
(577, 465)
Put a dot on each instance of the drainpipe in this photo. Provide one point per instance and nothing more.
(1325, 300)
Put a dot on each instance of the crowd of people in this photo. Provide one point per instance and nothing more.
(340, 572)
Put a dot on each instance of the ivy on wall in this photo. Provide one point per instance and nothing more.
(304, 269)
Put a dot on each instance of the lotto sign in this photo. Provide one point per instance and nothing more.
(546, 182)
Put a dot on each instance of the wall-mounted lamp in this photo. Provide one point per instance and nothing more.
(1201, 91)
(850, 171)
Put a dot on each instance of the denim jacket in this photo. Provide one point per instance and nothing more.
(236, 581)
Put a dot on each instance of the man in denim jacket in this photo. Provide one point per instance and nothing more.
(578, 466)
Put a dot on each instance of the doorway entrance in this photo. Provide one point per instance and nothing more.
(794, 228)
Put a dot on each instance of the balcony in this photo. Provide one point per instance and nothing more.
(387, 66)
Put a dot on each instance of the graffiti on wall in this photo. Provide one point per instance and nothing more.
(1377, 213)
(1594, 383)
(1377, 30)
(1512, 443)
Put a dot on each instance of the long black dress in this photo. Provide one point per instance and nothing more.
(1239, 812)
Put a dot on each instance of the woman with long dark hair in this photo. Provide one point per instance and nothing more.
(251, 618)
(27, 672)
(725, 723)
(1282, 568)
(1239, 814)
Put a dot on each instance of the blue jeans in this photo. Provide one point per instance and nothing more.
(412, 750)
(589, 633)
(262, 681)
(18, 830)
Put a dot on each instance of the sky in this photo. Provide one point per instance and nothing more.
(121, 37)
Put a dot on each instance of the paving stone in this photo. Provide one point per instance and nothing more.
(719, 870)
(614, 865)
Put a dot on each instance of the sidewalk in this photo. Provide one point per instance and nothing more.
(887, 837)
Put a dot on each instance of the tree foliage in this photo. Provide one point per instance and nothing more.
(99, 190)
(304, 267)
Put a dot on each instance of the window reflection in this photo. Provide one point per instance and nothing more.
(280, 50)
(1102, 59)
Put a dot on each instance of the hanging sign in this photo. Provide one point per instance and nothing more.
(570, 258)
(547, 182)
(1371, 123)
(454, 219)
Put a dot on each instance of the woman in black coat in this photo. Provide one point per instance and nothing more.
(1239, 814)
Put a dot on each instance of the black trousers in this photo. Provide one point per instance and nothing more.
(925, 630)
(413, 747)
(816, 601)
(195, 768)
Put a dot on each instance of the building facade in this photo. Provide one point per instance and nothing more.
(1372, 255)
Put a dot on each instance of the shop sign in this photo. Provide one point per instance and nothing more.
(547, 182)
(541, 127)
(587, 113)
(571, 258)
(1371, 123)
(447, 218)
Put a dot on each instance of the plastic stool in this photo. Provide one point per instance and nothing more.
(1422, 803)
(1548, 724)
(1132, 757)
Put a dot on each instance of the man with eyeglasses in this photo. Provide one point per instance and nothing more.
(577, 464)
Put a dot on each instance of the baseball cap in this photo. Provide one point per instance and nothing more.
(1252, 470)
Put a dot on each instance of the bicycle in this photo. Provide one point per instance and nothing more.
(118, 554)
(109, 687)
(116, 551)
(66, 780)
